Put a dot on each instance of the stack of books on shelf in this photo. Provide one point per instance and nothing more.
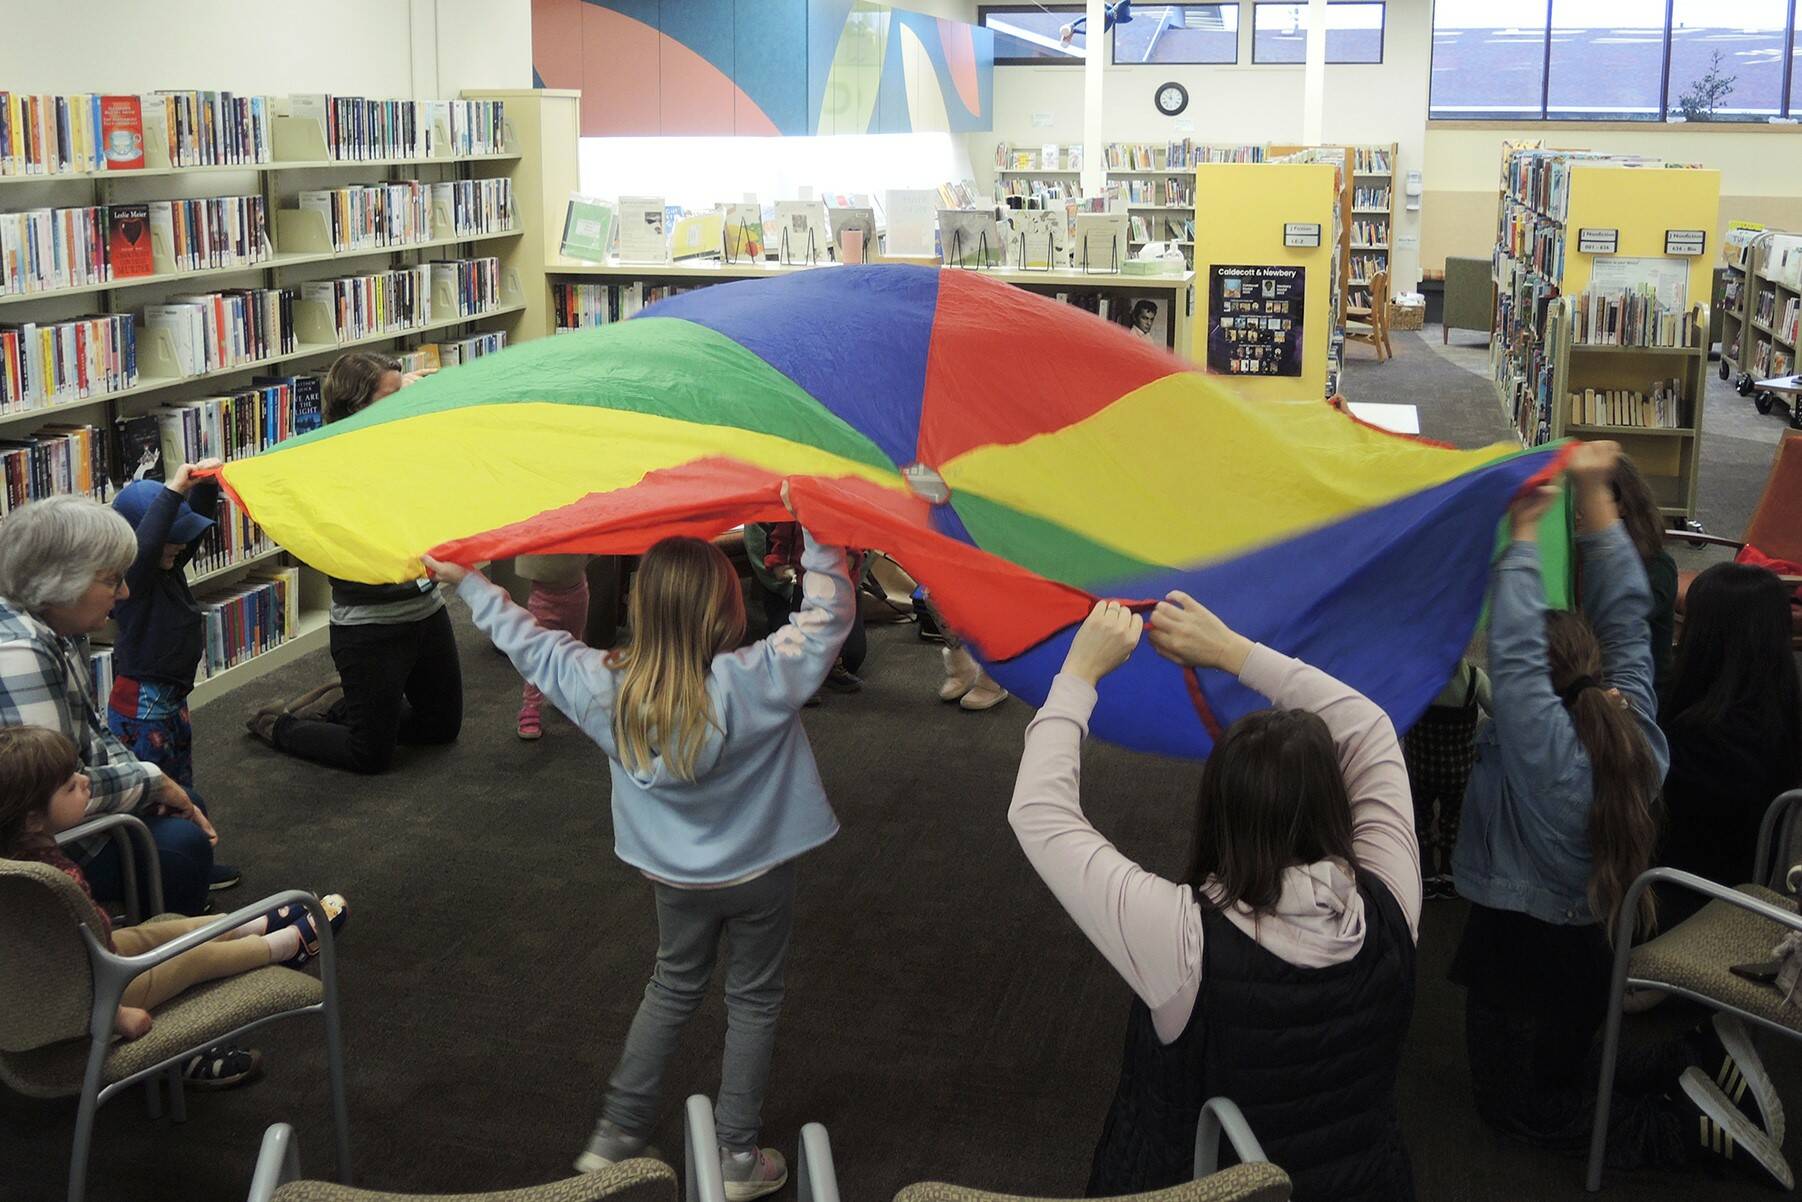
(1626, 317)
(1371, 160)
(53, 460)
(1162, 229)
(476, 206)
(212, 233)
(1370, 198)
(434, 355)
(583, 306)
(958, 194)
(1047, 157)
(474, 285)
(357, 127)
(1370, 233)
(1787, 323)
(216, 330)
(1175, 156)
(86, 132)
(1365, 266)
(50, 363)
(100, 668)
(362, 306)
(1661, 409)
(243, 620)
(1765, 306)
(369, 216)
(1043, 189)
(1769, 360)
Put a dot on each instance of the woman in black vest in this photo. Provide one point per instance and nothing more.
(1280, 971)
(396, 655)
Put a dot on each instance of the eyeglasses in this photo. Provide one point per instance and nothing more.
(112, 580)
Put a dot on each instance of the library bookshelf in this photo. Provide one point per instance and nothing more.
(301, 251)
(1760, 332)
(1163, 173)
(1372, 220)
(1596, 267)
(1173, 291)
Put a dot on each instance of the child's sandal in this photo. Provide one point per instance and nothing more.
(530, 725)
(337, 912)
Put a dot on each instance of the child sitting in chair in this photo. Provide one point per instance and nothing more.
(43, 792)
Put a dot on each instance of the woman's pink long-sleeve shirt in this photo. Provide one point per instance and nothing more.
(1150, 929)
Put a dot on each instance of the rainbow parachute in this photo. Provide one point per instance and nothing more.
(1017, 455)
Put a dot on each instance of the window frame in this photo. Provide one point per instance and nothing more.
(1075, 10)
(1238, 36)
(1382, 32)
(1789, 98)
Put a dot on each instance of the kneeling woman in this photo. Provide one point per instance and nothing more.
(1279, 971)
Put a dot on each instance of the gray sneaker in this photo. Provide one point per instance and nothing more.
(752, 1174)
(609, 1145)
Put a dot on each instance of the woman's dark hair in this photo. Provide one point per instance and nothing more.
(1623, 832)
(1735, 665)
(34, 763)
(1271, 797)
(1639, 509)
(351, 384)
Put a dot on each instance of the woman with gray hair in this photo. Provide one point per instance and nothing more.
(62, 568)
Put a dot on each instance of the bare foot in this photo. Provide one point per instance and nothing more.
(132, 1023)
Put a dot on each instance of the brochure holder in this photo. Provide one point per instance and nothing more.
(1050, 254)
(744, 240)
(1113, 257)
(813, 251)
(984, 254)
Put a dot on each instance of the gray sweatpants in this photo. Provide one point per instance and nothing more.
(755, 919)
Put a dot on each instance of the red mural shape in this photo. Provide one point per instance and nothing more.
(959, 45)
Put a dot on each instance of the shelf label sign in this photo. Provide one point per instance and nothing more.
(1301, 233)
(1685, 242)
(1598, 242)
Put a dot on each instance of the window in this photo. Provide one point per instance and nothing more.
(1643, 60)
(1726, 60)
(1179, 33)
(1488, 59)
(1607, 60)
(1031, 35)
(1354, 32)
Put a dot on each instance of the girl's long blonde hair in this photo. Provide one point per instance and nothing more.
(685, 609)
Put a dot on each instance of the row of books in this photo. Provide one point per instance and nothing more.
(371, 216)
(1370, 198)
(474, 285)
(1364, 266)
(52, 134)
(358, 127)
(1169, 156)
(1050, 189)
(1534, 240)
(1660, 409)
(1626, 317)
(1770, 360)
(584, 306)
(1372, 160)
(243, 620)
(1173, 191)
(476, 206)
(1764, 308)
(54, 362)
(1787, 323)
(100, 669)
(1540, 179)
(50, 461)
(1370, 232)
(958, 194)
(213, 331)
(46, 249)
(385, 302)
(1162, 229)
(464, 350)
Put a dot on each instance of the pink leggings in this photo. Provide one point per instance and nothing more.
(564, 609)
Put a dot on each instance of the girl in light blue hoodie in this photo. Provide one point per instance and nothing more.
(715, 794)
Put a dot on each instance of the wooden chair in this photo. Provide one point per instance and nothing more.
(1372, 325)
(1775, 528)
(278, 1179)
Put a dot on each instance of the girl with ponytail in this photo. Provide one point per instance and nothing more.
(1558, 822)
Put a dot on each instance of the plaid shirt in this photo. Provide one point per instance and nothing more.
(44, 681)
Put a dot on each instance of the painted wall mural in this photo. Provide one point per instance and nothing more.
(763, 67)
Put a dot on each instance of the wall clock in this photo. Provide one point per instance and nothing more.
(1172, 98)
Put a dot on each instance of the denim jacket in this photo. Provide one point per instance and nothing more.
(1524, 842)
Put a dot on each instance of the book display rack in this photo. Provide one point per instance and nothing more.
(201, 279)
(1602, 307)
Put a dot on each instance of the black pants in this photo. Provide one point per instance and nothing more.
(1534, 1076)
(776, 610)
(184, 855)
(402, 684)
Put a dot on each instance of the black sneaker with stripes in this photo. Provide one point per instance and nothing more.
(1722, 1131)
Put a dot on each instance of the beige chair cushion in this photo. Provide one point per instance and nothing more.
(46, 985)
(1260, 1182)
(1696, 955)
(628, 1181)
(194, 1020)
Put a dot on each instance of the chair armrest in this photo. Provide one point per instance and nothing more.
(1217, 1115)
(1691, 536)
(277, 1163)
(1696, 884)
(818, 1177)
(701, 1154)
(1776, 818)
(132, 836)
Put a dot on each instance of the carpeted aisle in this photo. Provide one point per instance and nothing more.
(944, 1019)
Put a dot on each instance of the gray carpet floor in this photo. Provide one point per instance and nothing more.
(944, 1019)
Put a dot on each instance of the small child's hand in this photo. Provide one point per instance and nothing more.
(1527, 509)
(786, 503)
(132, 1023)
(1103, 642)
(440, 570)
